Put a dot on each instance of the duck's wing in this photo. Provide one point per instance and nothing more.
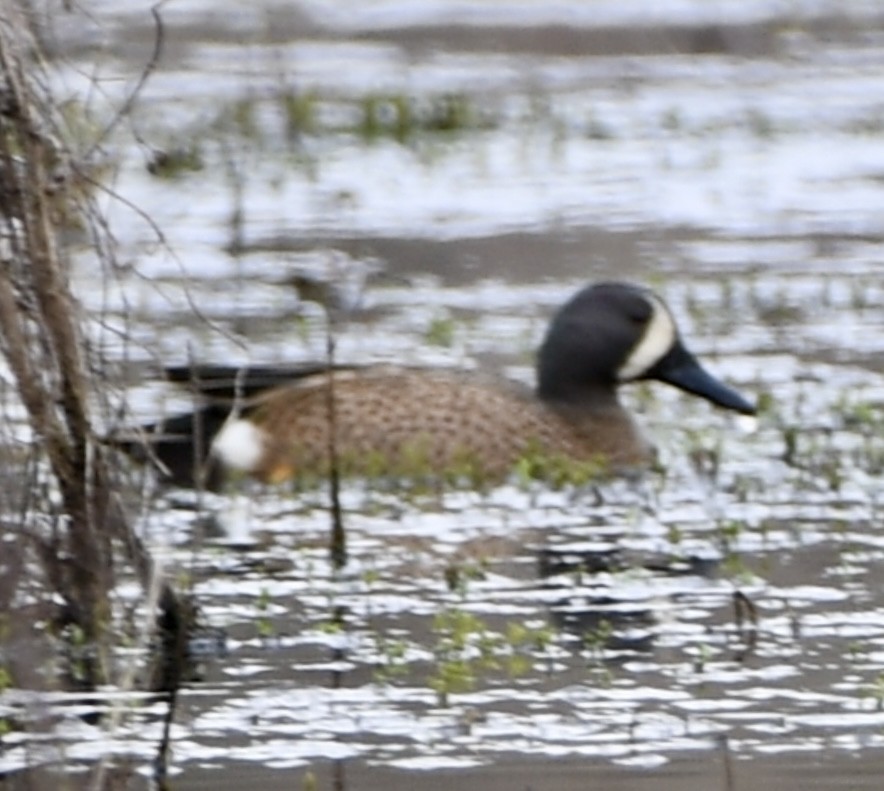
(227, 383)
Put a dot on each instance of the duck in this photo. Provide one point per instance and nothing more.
(272, 423)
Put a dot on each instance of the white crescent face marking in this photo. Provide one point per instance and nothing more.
(657, 340)
(239, 445)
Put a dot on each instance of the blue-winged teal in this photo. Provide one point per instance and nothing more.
(407, 422)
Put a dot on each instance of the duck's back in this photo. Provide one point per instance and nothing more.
(409, 423)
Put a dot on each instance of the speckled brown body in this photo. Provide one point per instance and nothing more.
(411, 422)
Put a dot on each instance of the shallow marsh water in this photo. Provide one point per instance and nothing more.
(720, 618)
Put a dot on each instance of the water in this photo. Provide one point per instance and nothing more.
(721, 619)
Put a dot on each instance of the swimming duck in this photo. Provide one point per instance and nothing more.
(407, 422)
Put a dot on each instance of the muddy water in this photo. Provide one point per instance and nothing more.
(719, 624)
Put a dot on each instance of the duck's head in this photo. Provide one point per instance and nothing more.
(610, 333)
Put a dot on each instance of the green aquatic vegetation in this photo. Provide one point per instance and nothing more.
(370, 577)
(263, 622)
(402, 118)
(333, 625)
(559, 471)
(441, 332)
(857, 651)
(730, 532)
(466, 648)
(466, 471)
(819, 454)
(860, 415)
(449, 112)
(415, 473)
(393, 664)
(301, 113)
(871, 125)
(241, 119)
(384, 116)
(870, 456)
(831, 471)
(5, 683)
(734, 567)
(538, 639)
(875, 691)
(452, 676)
(860, 298)
(765, 528)
(674, 535)
(671, 120)
(733, 564)
(760, 124)
(645, 397)
(459, 575)
(814, 454)
(177, 161)
(744, 487)
(78, 652)
(81, 127)
(703, 654)
(463, 646)
(766, 404)
(595, 642)
(705, 453)
(697, 307)
(781, 314)
(790, 445)
(728, 301)
(525, 642)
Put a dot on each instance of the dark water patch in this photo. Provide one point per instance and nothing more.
(762, 39)
(515, 257)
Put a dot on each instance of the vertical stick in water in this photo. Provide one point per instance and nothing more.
(338, 539)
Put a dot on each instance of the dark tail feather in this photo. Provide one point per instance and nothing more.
(178, 447)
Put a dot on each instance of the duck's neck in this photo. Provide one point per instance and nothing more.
(596, 418)
(587, 399)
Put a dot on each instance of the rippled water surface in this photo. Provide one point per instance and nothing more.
(716, 624)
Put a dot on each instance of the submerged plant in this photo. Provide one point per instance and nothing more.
(392, 663)
(466, 647)
(263, 623)
(704, 653)
(705, 453)
(309, 782)
(559, 471)
(383, 115)
(875, 691)
(440, 332)
(458, 575)
(5, 683)
(176, 161)
(456, 656)
(733, 563)
(402, 117)
(595, 642)
(300, 111)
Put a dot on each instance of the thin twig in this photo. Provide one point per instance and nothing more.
(149, 68)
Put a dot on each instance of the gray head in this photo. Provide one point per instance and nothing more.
(610, 333)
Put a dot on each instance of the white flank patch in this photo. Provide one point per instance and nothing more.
(239, 445)
(658, 338)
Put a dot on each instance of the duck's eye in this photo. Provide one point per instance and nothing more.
(640, 313)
